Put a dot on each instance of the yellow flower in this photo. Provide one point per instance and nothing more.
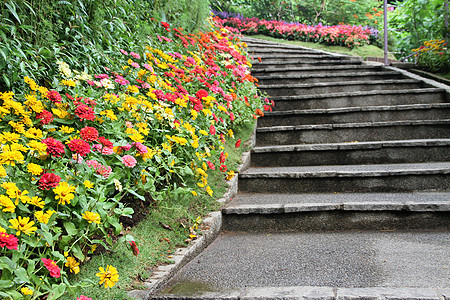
(68, 83)
(204, 132)
(11, 189)
(34, 133)
(91, 217)
(7, 203)
(2, 229)
(64, 192)
(194, 193)
(88, 184)
(22, 225)
(26, 291)
(3, 172)
(209, 191)
(108, 277)
(39, 147)
(36, 201)
(44, 217)
(34, 169)
(73, 265)
(9, 137)
(66, 129)
(230, 175)
(10, 157)
(132, 89)
(109, 114)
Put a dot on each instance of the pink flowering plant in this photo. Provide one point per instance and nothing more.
(152, 125)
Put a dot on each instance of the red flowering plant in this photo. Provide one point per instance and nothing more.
(152, 124)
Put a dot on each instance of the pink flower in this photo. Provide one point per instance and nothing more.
(83, 297)
(135, 248)
(140, 147)
(129, 161)
(123, 52)
(135, 65)
(126, 147)
(51, 265)
(8, 240)
(135, 55)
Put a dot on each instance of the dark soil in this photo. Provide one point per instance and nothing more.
(141, 210)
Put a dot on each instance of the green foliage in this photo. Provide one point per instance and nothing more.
(416, 21)
(84, 33)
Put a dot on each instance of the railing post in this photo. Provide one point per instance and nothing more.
(386, 61)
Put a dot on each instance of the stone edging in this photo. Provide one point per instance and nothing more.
(212, 226)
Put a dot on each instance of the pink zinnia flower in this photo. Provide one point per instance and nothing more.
(54, 96)
(83, 297)
(123, 52)
(135, 55)
(126, 147)
(9, 241)
(129, 161)
(140, 147)
(48, 181)
(51, 265)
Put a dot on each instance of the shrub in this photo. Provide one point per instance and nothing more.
(433, 56)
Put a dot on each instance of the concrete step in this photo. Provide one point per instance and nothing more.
(300, 62)
(272, 49)
(331, 77)
(358, 265)
(386, 113)
(276, 90)
(312, 71)
(347, 178)
(361, 98)
(351, 132)
(387, 152)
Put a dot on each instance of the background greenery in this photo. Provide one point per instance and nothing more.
(84, 33)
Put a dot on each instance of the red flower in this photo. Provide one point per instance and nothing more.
(79, 146)
(45, 117)
(211, 165)
(223, 168)
(212, 130)
(222, 157)
(51, 265)
(54, 96)
(85, 112)
(89, 134)
(201, 93)
(105, 142)
(259, 112)
(54, 147)
(8, 240)
(238, 143)
(48, 181)
(134, 248)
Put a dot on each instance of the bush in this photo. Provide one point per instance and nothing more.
(147, 125)
(433, 56)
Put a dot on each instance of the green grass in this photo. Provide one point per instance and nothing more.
(364, 51)
(444, 75)
(156, 244)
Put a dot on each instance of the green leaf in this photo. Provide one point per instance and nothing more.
(57, 291)
(12, 9)
(4, 284)
(140, 197)
(76, 250)
(70, 228)
(22, 275)
(115, 223)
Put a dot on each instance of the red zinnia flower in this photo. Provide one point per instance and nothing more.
(211, 165)
(51, 265)
(8, 240)
(223, 157)
(79, 146)
(223, 168)
(201, 93)
(259, 112)
(48, 181)
(85, 112)
(134, 248)
(238, 143)
(45, 117)
(212, 130)
(54, 96)
(54, 147)
(105, 142)
(89, 134)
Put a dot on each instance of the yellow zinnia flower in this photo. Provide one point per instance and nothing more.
(8, 205)
(108, 277)
(88, 184)
(34, 169)
(64, 192)
(91, 217)
(73, 265)
(22, 225)
(26, 291)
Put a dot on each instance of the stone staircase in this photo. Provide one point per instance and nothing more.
(347, 195)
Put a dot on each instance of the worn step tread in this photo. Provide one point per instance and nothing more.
(331, 84)
(360, 93)
(375, 170)
(317, 68)
(307, 76)
(340, 110)
(326, 201)
(354, 125)
(353, 145)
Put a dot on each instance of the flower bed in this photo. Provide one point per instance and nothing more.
(147, 126)
(433, 56)
(340, 35)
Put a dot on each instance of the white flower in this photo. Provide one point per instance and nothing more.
(118, 185)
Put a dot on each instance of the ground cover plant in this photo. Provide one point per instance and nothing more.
(153, 126)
